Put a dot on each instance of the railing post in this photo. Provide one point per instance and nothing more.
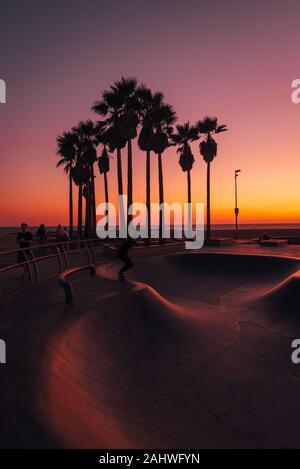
(64, 255)
(93, 251)
(59, 259)
(35, 266)
(28, 260)
(67, 286)
(88, 252)
(68, 289)
(28, 265)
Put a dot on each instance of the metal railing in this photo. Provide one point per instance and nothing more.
(23, 267)
(67, 286)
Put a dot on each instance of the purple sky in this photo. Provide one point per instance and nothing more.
(232, 59)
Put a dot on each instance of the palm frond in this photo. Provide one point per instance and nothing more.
(221, 128)
(100, 107)
(207, 125)
(125, 86)
(61, 162)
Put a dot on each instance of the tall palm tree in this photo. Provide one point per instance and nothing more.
(86, 134)
(104, 167)
(123, 96)
(208, 148)
(66, 149)
(125, 90)
(148, 104)
(184, 135)
(80, 177)
(111, 107)
(163, 119)
(109, 135)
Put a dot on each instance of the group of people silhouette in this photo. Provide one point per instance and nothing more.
(25, 239)
(25, 236)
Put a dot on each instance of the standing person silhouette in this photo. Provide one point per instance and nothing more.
(58, 233)
(41, 234)
(65, 234)
(24, 239)
(122, 254)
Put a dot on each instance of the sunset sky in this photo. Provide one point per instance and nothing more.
(232, 59)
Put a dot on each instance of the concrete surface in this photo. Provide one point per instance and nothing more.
(194, 351)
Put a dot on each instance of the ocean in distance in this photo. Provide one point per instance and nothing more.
(229, 226)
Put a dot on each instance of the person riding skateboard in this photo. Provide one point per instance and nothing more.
(122, 254)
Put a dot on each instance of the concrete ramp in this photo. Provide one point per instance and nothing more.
(286, 292)
(141, 365)
(122, 375)
(208, 277)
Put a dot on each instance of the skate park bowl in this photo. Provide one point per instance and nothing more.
(192, 351)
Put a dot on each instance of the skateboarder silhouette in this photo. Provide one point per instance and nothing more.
(122, 254)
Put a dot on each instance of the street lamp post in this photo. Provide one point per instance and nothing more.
(236, 210)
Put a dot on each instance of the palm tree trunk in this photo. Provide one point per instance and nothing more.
(106, 187)
(189, 204)
(208, 227)
(161, 198)
(88, 210)
(71, 200)
(80, 211)
(120, 189)
(189, 187)
(106, 196)
(119, 169)
(148, 196)
(93, 204)
(129, 180)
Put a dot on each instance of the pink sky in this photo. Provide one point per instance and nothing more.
(235, 61)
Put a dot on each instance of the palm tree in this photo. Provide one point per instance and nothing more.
(148, 104)
(163, 119)
(66, 149)
(122, 95)
(104, 167)
(208, 149)
(109, 133)
(182, 138)
(86, 134)
(80, 176)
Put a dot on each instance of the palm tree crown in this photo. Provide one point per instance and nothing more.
(208, 148)
(124, 108)
(103, 162)
(149, 104)
(163, 117)
(185, 134)
(120, 106)
(66, 149)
